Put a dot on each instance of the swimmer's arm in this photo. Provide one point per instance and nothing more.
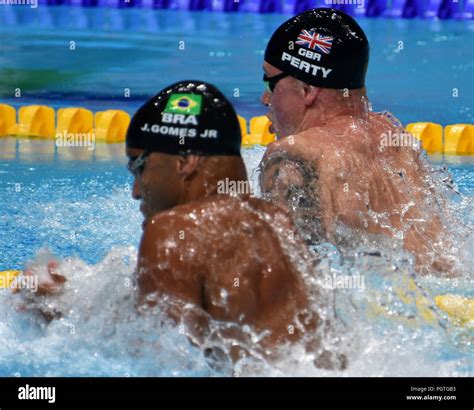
(293, 183)
(299, 187)
(282, 177)
(50, 283)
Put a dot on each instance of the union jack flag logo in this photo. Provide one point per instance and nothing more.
(315, 41)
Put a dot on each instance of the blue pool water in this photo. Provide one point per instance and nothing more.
(81, 211)
(415, 65)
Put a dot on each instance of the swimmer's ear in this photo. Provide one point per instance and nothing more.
(310, 94)
(187, 165)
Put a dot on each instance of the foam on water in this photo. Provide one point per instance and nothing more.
(101, 333)
(390, 327)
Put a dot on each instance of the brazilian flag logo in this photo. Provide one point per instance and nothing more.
(184, 104)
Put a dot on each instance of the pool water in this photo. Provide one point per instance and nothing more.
(82, 213)
(101, 58)
(75, 213)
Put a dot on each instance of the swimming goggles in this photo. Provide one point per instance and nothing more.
(137, 165)
(270, 82)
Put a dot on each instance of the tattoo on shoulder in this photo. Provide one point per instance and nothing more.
(292, 177)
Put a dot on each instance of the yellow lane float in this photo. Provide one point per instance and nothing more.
(459, 139)
(75, 120)
(259, 131)
(36, 120)
(430, 135)
(7, 277)
(7, 119)
(110, 127)
(458, 308)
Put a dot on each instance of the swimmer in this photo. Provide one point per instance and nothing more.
(233, 257)
(330, 167)
(208, 256)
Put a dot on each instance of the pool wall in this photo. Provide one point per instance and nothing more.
(444, 9)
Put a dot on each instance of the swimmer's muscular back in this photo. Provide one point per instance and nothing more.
(345, 177)
(224, 254)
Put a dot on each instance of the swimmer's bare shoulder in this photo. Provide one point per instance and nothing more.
(198, 250)
(171, 249)
(283, 162)
(304, 166)
(316, 147)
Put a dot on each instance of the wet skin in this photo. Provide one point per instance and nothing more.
(329, 169)
(226, 255)
(232, 258)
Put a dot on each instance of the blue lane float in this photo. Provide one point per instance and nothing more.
(429, 9)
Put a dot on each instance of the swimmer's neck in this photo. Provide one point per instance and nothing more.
(333, 107)
(225, 173)
(196, 192)
(312, 120)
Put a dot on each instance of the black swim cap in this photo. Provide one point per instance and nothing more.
(322, 47)
(188, 117)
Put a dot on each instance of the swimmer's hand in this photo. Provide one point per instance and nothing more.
(46, 280)
(38, 283)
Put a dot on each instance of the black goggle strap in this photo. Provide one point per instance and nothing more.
(271, 81)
